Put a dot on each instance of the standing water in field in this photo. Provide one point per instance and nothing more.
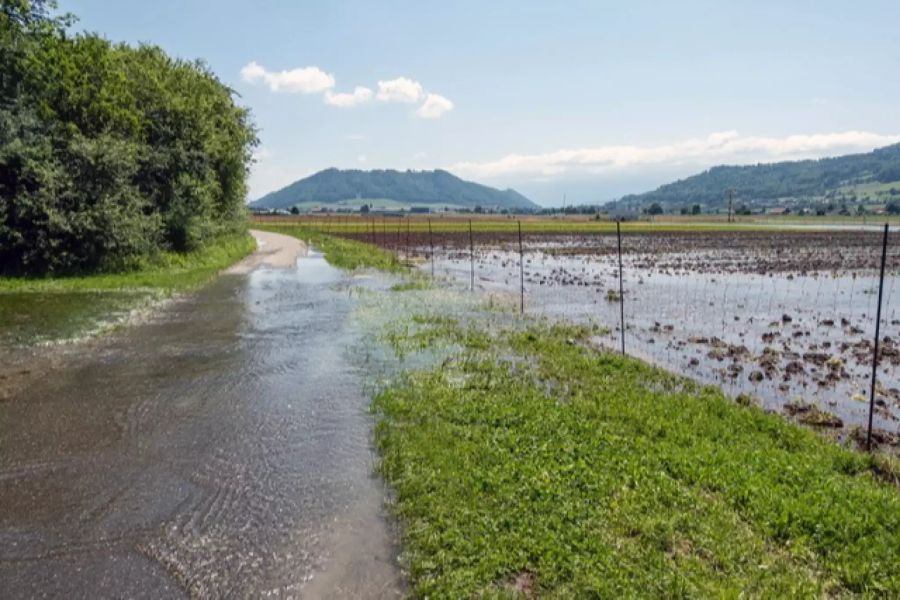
(787, 319)
(221, 448)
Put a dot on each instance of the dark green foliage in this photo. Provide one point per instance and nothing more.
(769, 182)
(422, 187)
(655, 209)
(110, 154)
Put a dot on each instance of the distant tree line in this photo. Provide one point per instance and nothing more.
(110, 153)
(765, 183)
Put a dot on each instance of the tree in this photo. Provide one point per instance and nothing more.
(654, 209)
(364, 209)
(109, 153)
(695, 210)
(295, 210)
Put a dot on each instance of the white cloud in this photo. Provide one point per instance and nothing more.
(354, 137)
(306, 80)
(400, 90)
(434, 107)
(721, 147)
(359, 95)
(313, 80)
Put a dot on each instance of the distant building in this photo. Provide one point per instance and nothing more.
(420, 210)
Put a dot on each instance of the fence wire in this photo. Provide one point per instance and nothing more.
(786, 317)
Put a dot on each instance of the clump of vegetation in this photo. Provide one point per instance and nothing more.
(110, 154)
(810, 414)
(630, 485)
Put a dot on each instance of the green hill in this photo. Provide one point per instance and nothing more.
(853, 178)
(334, 186)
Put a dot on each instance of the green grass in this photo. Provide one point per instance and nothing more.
(170, 271)
(872, 190)
(340, 252)
(533, 461)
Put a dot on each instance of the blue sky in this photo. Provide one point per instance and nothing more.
(589, 100)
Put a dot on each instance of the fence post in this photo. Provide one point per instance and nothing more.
(407, 238)
(877, 333)
(621, 287)
(521, 273)
(431, 247)
(471, 258)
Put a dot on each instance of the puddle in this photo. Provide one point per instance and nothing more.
(221, 448)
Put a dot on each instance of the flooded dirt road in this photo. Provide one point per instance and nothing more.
(220, 449)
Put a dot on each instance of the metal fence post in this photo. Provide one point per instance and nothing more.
(877, 334)
(621, 287)
(521, 273)
(407, 238)
(471, 258)
(431, 247)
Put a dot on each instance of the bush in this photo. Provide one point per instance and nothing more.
(110, 154)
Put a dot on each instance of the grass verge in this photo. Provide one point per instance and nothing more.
(340, 252)
(170, 271)
(532, 464)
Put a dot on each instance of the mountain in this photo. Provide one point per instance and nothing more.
(333, 186)
(870, 177)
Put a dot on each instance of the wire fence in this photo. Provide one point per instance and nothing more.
(803, 321)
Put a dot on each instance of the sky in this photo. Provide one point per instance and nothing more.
(571, 101)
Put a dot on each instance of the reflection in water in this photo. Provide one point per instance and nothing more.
(222, 448)
(30, 318)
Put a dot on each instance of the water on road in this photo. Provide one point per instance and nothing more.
(222, 448)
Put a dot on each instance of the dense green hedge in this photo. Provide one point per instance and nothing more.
(109, 153)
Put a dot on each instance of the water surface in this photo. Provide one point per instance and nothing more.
(220, 449)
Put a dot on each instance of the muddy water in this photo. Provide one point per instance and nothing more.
(220, 449)
(781, 338)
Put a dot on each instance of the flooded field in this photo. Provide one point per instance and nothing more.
(786, 318)
(222, 448)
